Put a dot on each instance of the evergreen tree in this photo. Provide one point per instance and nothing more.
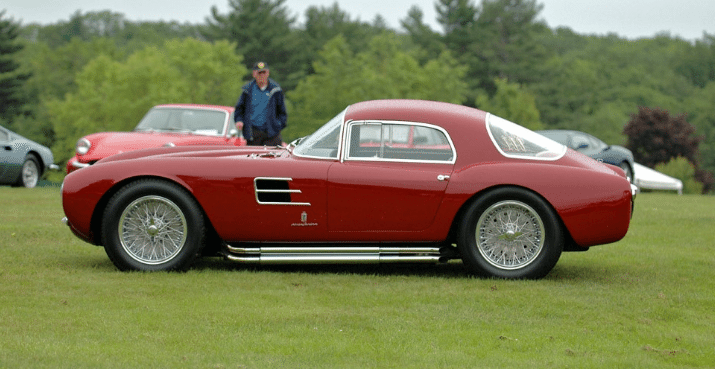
(381, 71)
(323, 24)
(512, 102)
(421, 34)
(12, 78)
(261, 30)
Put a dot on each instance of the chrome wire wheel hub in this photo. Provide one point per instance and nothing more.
(152, 230)
(510, 235)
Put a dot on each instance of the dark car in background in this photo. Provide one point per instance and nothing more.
(595, 148)
(22, 162)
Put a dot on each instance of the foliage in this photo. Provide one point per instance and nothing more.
(654, 136)
(382, 71)
(496, 39)
(683, 170)
(321, 25)
(697, 63)
(512, 102)
(421, 34)
(590, 83)
(105, 24)
(64, 305)
(702, 116)
(113, 95)
(260, 30)
(506, 45)
(12, 76)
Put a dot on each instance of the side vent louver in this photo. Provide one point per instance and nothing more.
(274, 191)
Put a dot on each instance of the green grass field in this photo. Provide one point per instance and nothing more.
(647, 301)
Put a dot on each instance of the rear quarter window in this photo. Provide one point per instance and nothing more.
(515, 141)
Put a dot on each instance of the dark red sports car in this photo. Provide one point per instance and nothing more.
(383, 181)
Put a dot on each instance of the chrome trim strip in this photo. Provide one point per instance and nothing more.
(334, 249)
(334, 255)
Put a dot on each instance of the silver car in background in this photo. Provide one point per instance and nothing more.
(22, 162)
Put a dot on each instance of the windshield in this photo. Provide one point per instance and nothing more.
(515, 141)
(197, 121)
(323, 143)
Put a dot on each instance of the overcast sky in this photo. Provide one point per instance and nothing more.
(627, 18)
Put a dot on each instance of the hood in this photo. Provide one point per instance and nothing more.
(109, 143)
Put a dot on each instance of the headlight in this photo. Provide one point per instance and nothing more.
(83, 146)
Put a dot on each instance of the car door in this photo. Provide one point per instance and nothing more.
(392, 179)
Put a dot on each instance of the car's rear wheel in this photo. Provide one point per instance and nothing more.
(510, 233)
(30, 174)
(153, 225)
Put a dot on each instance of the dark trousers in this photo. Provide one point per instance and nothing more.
(260, 138)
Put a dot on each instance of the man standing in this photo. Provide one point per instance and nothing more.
(261, 109)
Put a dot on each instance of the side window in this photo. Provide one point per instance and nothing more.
(580, 142)
(399, 142)
(365, 140)
(4, 136)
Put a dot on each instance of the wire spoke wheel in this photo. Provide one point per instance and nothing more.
(510, 235)
(510, 232)
(152, 230)
(152, 225)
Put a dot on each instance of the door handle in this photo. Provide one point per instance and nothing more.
(442, 177)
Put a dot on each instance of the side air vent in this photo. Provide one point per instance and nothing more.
(274, 191)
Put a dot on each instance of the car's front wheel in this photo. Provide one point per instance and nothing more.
(153, 225)
(510, 233)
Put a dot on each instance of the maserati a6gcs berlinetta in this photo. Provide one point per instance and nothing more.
(384, 181)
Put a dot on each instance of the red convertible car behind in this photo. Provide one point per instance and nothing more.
(384, 181)
(163, 125)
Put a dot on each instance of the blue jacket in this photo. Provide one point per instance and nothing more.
(276, 122)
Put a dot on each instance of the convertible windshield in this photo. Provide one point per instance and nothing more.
(197, 121)
(323, 143)
(515, 141)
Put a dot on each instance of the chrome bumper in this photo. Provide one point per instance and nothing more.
(77, 164)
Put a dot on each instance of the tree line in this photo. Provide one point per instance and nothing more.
(100, 71)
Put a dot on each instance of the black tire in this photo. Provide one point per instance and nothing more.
(30, 173)
(510, 233)
(152, 225)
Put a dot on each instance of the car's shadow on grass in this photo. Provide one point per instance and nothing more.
(567, 273)
(453, 269)
(562, 272)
